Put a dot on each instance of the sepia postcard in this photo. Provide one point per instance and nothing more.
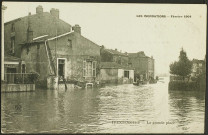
(70, 67)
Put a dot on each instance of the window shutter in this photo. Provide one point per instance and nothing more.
(84, 68)
(94, 69)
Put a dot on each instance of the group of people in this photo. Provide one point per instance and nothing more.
(142, 80)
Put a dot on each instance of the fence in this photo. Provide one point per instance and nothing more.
(19, 78)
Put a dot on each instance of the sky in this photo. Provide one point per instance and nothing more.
(116, 25)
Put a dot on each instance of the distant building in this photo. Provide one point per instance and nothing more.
(197, 67)
(112, 72)
(109, 55)
(142, 64)
(114, 67)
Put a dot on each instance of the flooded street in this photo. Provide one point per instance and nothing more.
(124, 108)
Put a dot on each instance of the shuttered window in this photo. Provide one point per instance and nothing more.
(84, 68)
(94, 69)
(89, 68)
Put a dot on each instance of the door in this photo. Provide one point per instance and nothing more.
(61, 68)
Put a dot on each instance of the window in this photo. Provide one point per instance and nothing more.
(119, 60)
(94, 69)
(13, 27)
(12, 44)
(84, 68)
(69, 43)
(89, 68)
(61, 67)
(23, 68)
(126, 74)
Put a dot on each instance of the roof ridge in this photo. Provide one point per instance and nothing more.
(19, 18)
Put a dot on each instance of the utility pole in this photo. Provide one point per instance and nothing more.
(2, 41)
(56, 19)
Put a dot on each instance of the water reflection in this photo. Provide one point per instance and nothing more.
(93, 110)
(187, 107)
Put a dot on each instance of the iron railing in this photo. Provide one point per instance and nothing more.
(19, 78)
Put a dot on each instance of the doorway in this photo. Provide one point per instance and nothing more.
(10, 76)
(61, 68)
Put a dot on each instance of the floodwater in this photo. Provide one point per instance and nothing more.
(123, 108)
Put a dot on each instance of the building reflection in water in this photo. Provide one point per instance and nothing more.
(93, 110)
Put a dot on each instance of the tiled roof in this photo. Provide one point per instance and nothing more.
(115, 52)
(138, 54)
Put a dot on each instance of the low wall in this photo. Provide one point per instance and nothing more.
(181, 85)
(17, 87)
(69, 86)
(127, 81)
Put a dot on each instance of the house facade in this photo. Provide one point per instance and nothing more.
(51, 47)
(143, 65)
(26, 28)
(114, 67)
(111, 72)
(198, 67)
(69, 55)
(109, 55)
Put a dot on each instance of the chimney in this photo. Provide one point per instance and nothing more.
(141, 54)
(76, 28)
(29, 30)
(102, 47)
(39, 9)
(54, 12)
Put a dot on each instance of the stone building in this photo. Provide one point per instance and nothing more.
(69, 55)
(112, 72)
(198, 67)
(52, 47)
(26, 28)
(114, 67)
(143, 65)
(109, 55)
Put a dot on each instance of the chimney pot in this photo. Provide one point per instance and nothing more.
(102, 46)
(54, 12)
(39, 9)
(76, 28)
